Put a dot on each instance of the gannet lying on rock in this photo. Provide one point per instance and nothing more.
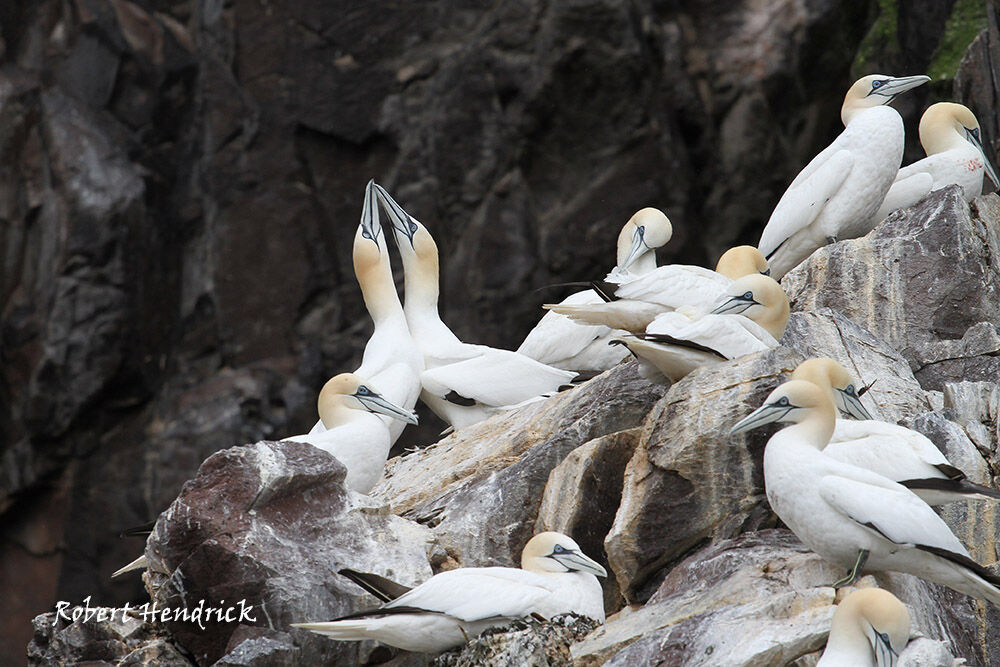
(751, 317)
(463, 383)
(392, 361)
(850, 516)
(560, 342)
(837, 193)
(951, 138)
(355, 435)
(870, 629)
(639, 301)
(893, 451)
(454, 606)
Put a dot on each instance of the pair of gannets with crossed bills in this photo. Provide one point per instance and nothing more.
(870, 628)
(637, 301)
(564, 343)
(851, 516)
(837, 193)
(462, 383)
(951, 138)
(392, 361)
(751, 317)
(901, 454)
(455, 606)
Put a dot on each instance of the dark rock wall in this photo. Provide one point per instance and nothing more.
(180, 180)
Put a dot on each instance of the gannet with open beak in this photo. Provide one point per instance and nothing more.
(870, 628)
(750, 317)
(392, 361)
(463, 383)
(454, 606)
(837, 193)
(951, 138)
(348, 408)
(637, 302)
(560, 342)
(850, 516)
(901, 454)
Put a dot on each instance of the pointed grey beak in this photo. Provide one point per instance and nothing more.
(377, 403)
(973, 137)
(885, 655)
(638, 248)
(897, 85)
(735, 305)
(765, 414)
(370, 225)
(577, 562)
(851, 404)
(400, 219)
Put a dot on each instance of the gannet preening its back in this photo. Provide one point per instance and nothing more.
(751, 317)
(348, 408)
(639, 301)
(392, 361)
(835, 196)
(560, 342)
(901, 454)
(463, 383)
(870, 628)
(951, 138)
(455, 606)
(850, 516)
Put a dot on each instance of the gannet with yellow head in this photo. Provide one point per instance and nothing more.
(836, 194)
(462, 383)
(953, 142)
(751, 316)
(348, 405)
(870, 628)
(455, 606)
(901, 454)
(850, 516)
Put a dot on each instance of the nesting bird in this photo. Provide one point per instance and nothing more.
(870, 628)
(893, 451)
(563, 343)
(750, 317)
(454, 606)
(837, 193)
(354, 434)
(951, 138)
(852, 517)
(462, 383)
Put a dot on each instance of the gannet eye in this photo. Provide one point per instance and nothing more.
(363, 391)
(783, 401)
(885, 637)
(413, 226)
(641, 231)
(748, 296)
(364, 233)
(558, 549)
(973, 132)
(878, 84)
(850, 390)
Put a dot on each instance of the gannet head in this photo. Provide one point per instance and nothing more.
(794, 401)
(875, 90)
(832, 376)
(945, 123)
(404, 226)
(349, 391)
(761, 299)
(555, 552)
(743, 260)
(876, 615)
(649, 228)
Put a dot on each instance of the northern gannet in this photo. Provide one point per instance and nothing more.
(452, 607)
(901, 454)
(951, 138)
(639, 301)
(560, 342)
(392, 361)
(751, 317)
(852, 517)
(463, 383)
(870, 628)
(348, 408)
(836, 194)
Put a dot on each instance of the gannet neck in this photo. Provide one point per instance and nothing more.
(420, 262)
(742, 261)
(374, 274)
(870, 626)
(940, 127)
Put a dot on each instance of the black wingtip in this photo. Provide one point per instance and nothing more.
(384, 589)
(141, 530)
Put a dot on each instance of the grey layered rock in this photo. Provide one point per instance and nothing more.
(110, 639)
(268, 526)
(527, 643)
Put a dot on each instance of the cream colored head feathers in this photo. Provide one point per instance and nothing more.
(945, 126)
(875, 616)
(648, 229)
(740, 261)
(761, 299)
(834, 378)
(348, 392)
(796, 401)
(554, 553)
(875, 90)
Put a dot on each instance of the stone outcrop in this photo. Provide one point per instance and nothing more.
(529, 643)
(108, 637)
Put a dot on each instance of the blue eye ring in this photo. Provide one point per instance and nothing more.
(363, 390)
(748, 296)
(783, 401)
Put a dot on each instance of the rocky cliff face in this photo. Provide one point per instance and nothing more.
(180, 180)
